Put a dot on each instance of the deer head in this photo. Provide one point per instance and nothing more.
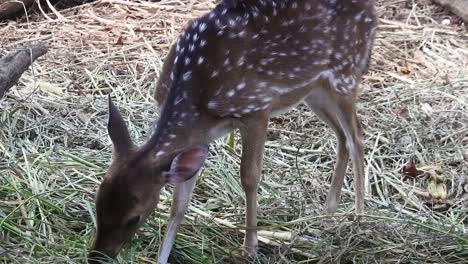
(130, 190)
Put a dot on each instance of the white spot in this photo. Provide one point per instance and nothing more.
(187, 61)
(265, 106)
(195, 24)
(214, 74)
(195, 37)
(200, 60)
(178, 100)
(262, 84)
(212, 104)
(167, 144)
(187, 76)
(230, 93)
(246, 110)
(359, 16)
(192, 47)
(241, 61)
(266, 99)
(172, 136)
(241, 86)
(160, 153)
(202, 43)
(226, 62)
(202, 27)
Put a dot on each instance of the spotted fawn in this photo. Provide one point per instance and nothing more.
(234, 68)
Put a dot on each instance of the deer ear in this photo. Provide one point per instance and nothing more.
(186, 164)
(118, 131)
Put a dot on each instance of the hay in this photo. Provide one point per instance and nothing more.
(54, 147)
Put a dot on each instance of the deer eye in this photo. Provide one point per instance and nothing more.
(133, 221)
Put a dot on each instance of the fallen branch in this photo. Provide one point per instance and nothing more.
(14, 64)
(11, 7)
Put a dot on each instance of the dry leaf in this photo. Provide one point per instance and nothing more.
(119, 40)
(406, 70)
(50, 88)
(409, 169)
(436, 185)
(402, 112)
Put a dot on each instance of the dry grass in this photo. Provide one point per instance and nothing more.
(54, 147)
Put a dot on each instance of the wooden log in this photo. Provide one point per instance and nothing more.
(11, 7)
(14, 64)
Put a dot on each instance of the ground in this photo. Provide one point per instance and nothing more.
(413, 104)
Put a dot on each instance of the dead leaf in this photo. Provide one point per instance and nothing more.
(50, 88)
(437, 190)
(119, 40)
(409, 169)
(406, 70)
(402, 112)
(436, 185)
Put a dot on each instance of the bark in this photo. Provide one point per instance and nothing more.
(14, 64)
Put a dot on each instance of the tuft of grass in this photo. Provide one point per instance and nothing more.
(54, 147)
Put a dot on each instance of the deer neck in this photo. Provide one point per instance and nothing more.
(185, 125)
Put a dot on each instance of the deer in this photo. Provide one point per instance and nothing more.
(232, 68)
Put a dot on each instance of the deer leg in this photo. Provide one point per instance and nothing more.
(352, 129)
(327, 115)
(180, 202)
(253, 141)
